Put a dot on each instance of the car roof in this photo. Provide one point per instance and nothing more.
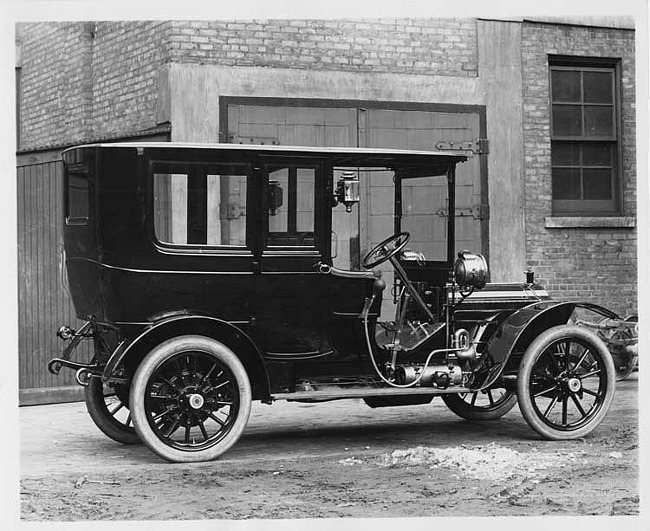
(340, 156)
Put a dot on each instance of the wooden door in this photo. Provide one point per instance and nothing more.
(44, 303)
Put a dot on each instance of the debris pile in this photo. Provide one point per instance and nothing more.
(350, 461)
(491, 462)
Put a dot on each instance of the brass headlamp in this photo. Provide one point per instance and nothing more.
(470, 270)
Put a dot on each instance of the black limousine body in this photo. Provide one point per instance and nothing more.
(206, 279)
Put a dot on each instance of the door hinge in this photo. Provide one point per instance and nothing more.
(261, 140)
(478, 212)
(480, 146)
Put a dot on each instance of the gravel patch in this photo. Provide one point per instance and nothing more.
(490, 462)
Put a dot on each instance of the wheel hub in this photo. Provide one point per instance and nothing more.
(574, 385)
(195, 401)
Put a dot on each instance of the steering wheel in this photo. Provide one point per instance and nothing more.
(385, 250)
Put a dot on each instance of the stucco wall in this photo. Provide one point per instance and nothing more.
(194, 91)
(500, 79)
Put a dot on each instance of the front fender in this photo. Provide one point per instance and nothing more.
(183, 324)
(518, 330)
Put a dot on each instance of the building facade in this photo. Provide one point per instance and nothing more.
(546, 108)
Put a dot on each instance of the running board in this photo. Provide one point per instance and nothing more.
(333, 393)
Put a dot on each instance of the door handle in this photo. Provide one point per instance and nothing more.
(323, 268)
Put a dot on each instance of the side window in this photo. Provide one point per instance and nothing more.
(200, 205)
(78, 197)
(291, 206)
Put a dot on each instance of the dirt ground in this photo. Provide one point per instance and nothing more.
(332, 460)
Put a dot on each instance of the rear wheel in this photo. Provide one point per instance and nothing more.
(488, 404)
(108, 408)
(191, 399)
(565, 384)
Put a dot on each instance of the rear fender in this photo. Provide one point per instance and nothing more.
(519, 330)
(228, 334)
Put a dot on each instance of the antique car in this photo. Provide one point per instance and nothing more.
(206, 278)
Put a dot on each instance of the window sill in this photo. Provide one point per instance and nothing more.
(589, 222)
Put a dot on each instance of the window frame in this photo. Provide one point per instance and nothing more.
(268, 167)
(188, 168)
(589, 207)
(82, 170)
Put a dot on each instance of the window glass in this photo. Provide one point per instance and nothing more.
(565, 155)
(597, 155)
(279, 212)
(565, 86)
(425, 215)
(567, 120)
(202, 205)
(78, 196)
(583, 171)
(170, 207)
(599, 121)
(77, 189)
(566, 183)
(226, 209)
(598, 87)
(305, 199)
(598, 183)
(584, 143)
(290, 202)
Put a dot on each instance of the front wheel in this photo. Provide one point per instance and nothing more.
(190, 399)
(565, 384)
(488, 404)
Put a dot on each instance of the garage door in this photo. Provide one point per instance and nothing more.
(365, 126)
(425, 130)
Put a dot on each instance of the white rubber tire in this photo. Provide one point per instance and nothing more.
(530, 361)
(164, 352)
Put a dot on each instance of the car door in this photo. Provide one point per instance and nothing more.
(290, 300)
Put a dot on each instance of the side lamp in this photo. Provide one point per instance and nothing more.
(347, 190)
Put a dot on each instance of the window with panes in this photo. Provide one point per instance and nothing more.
(585, 138)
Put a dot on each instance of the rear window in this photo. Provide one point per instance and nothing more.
(204, 205)
(77, 195)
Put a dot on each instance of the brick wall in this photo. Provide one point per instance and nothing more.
(418, 46)
(87, 80)
(55, 102)
(127, 57)
(93, 80)
(594, 264)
